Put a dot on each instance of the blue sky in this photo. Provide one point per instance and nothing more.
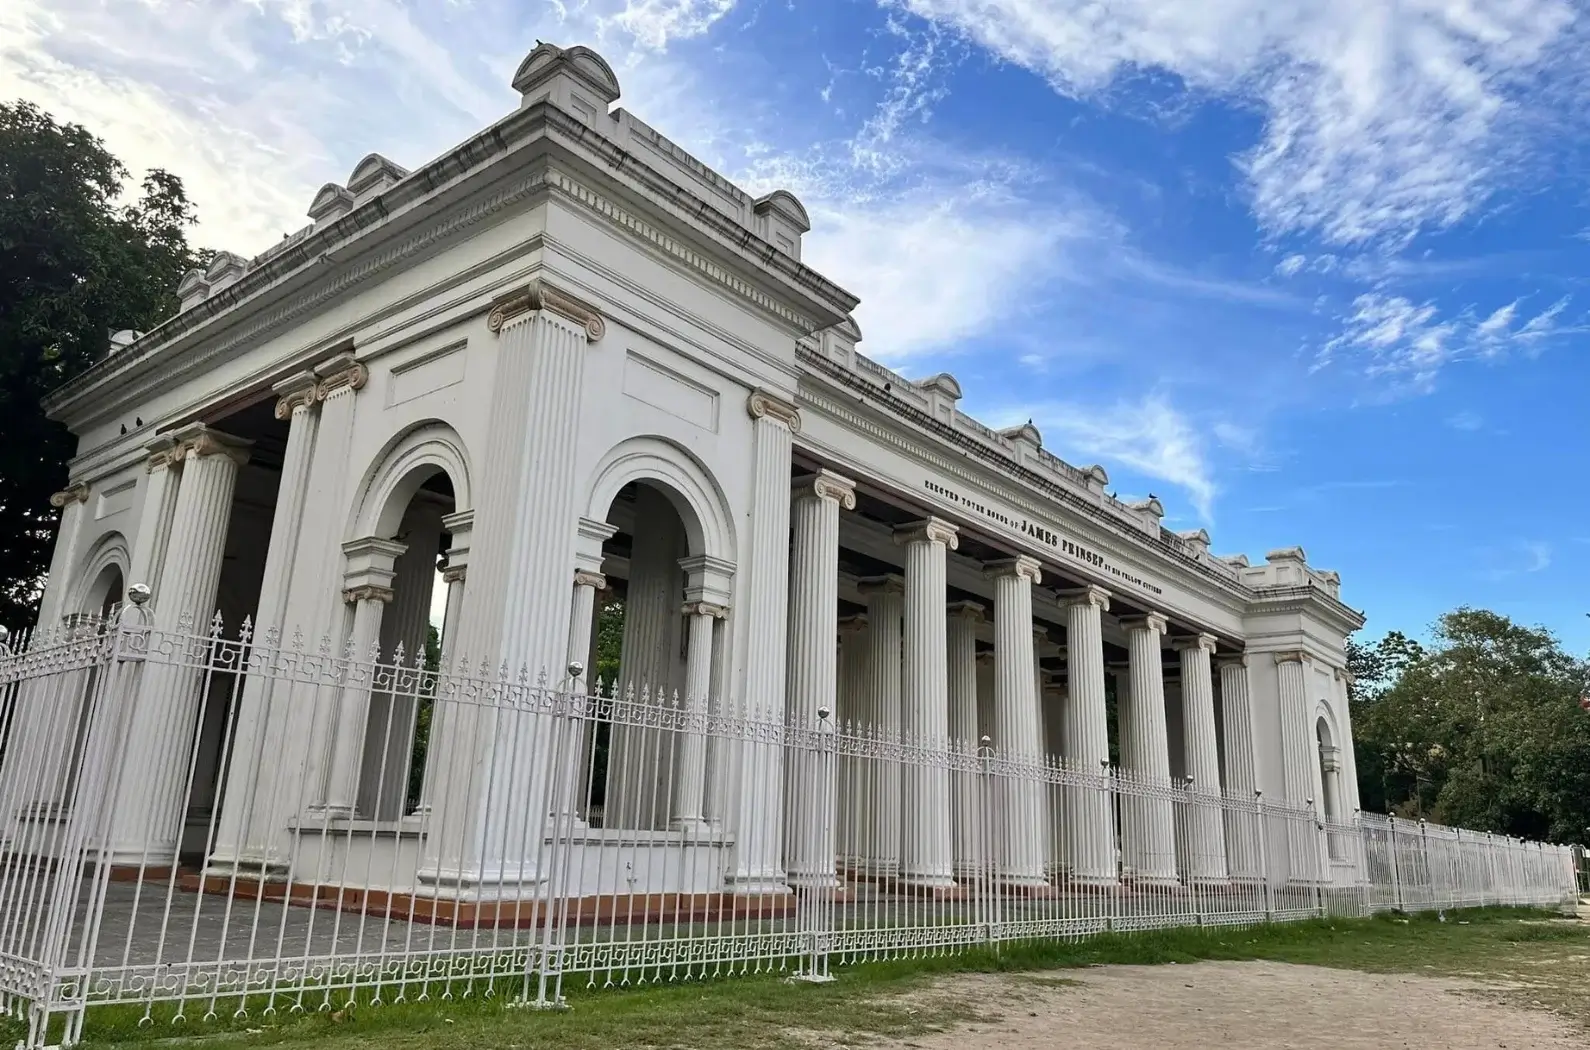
(1311, 272)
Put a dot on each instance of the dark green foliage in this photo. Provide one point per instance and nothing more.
(1482, 730)
(76, 263)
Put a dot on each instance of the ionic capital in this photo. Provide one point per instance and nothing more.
(1240, 660)
(985, 657)
(538, 295)
(928, 530)
(827, 485)
(1342, 674)
(890, 584)
(341, 373)
(1207, 642)
(972, 612)
(586, 578)
(1020, 566)
(717, 612)
(455, 574)
(200, 441)
(367, 593)
(853, 624)
(163, 452)
(764, 404)
(1148, 622)
(1089, 595)
(1291, 656)
(295, 392)
(77, 493)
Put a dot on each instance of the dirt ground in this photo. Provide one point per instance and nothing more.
(1242, 1006)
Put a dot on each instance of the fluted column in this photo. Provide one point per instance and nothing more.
(590, 589)
(759, 822)
(44, 728)
(441, 753)
(1092, 820)
(1052, 691)
(1020, 807)
(811, 788)
(367, 586)
(1149, 839)
(72, 502)
(405, 627)
(985, 697)
(885, 612)
(164, 468)
(1206, 851)
(1242, 827)
(926, 853)
(150, 815)
(254, 804)
(855, 688)
(690, 769)
(966, 795)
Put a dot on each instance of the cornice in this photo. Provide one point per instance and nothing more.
(449, 173)
(1237, 593)
(1306, 599)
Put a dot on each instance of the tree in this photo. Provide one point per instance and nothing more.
(1482, 730)
(75, 264)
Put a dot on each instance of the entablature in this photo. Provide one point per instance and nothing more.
(668, 213)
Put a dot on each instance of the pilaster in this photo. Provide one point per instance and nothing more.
(759, 834)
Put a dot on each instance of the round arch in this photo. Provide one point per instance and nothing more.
(1324, 726)
(678, 475)
(102, 572)
(406, 463)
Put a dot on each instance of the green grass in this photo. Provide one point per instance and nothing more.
(1540, 959)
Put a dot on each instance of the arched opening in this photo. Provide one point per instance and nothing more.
(398, 731)
(654, 563)
(409, 518)
(1330, 785)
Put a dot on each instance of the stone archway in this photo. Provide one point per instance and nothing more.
(409, 526)
(671, 556)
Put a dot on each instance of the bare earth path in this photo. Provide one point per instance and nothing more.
(1239, 1006)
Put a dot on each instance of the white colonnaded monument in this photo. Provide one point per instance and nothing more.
(886, 674)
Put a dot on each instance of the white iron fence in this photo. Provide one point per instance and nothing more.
(199, 826)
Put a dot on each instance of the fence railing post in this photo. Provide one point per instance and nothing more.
(1264, 854)
(816, 905)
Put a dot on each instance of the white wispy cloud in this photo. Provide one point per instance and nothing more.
(1382, 117)
(1407, 343)
(1151, 438)
(1465, 420)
